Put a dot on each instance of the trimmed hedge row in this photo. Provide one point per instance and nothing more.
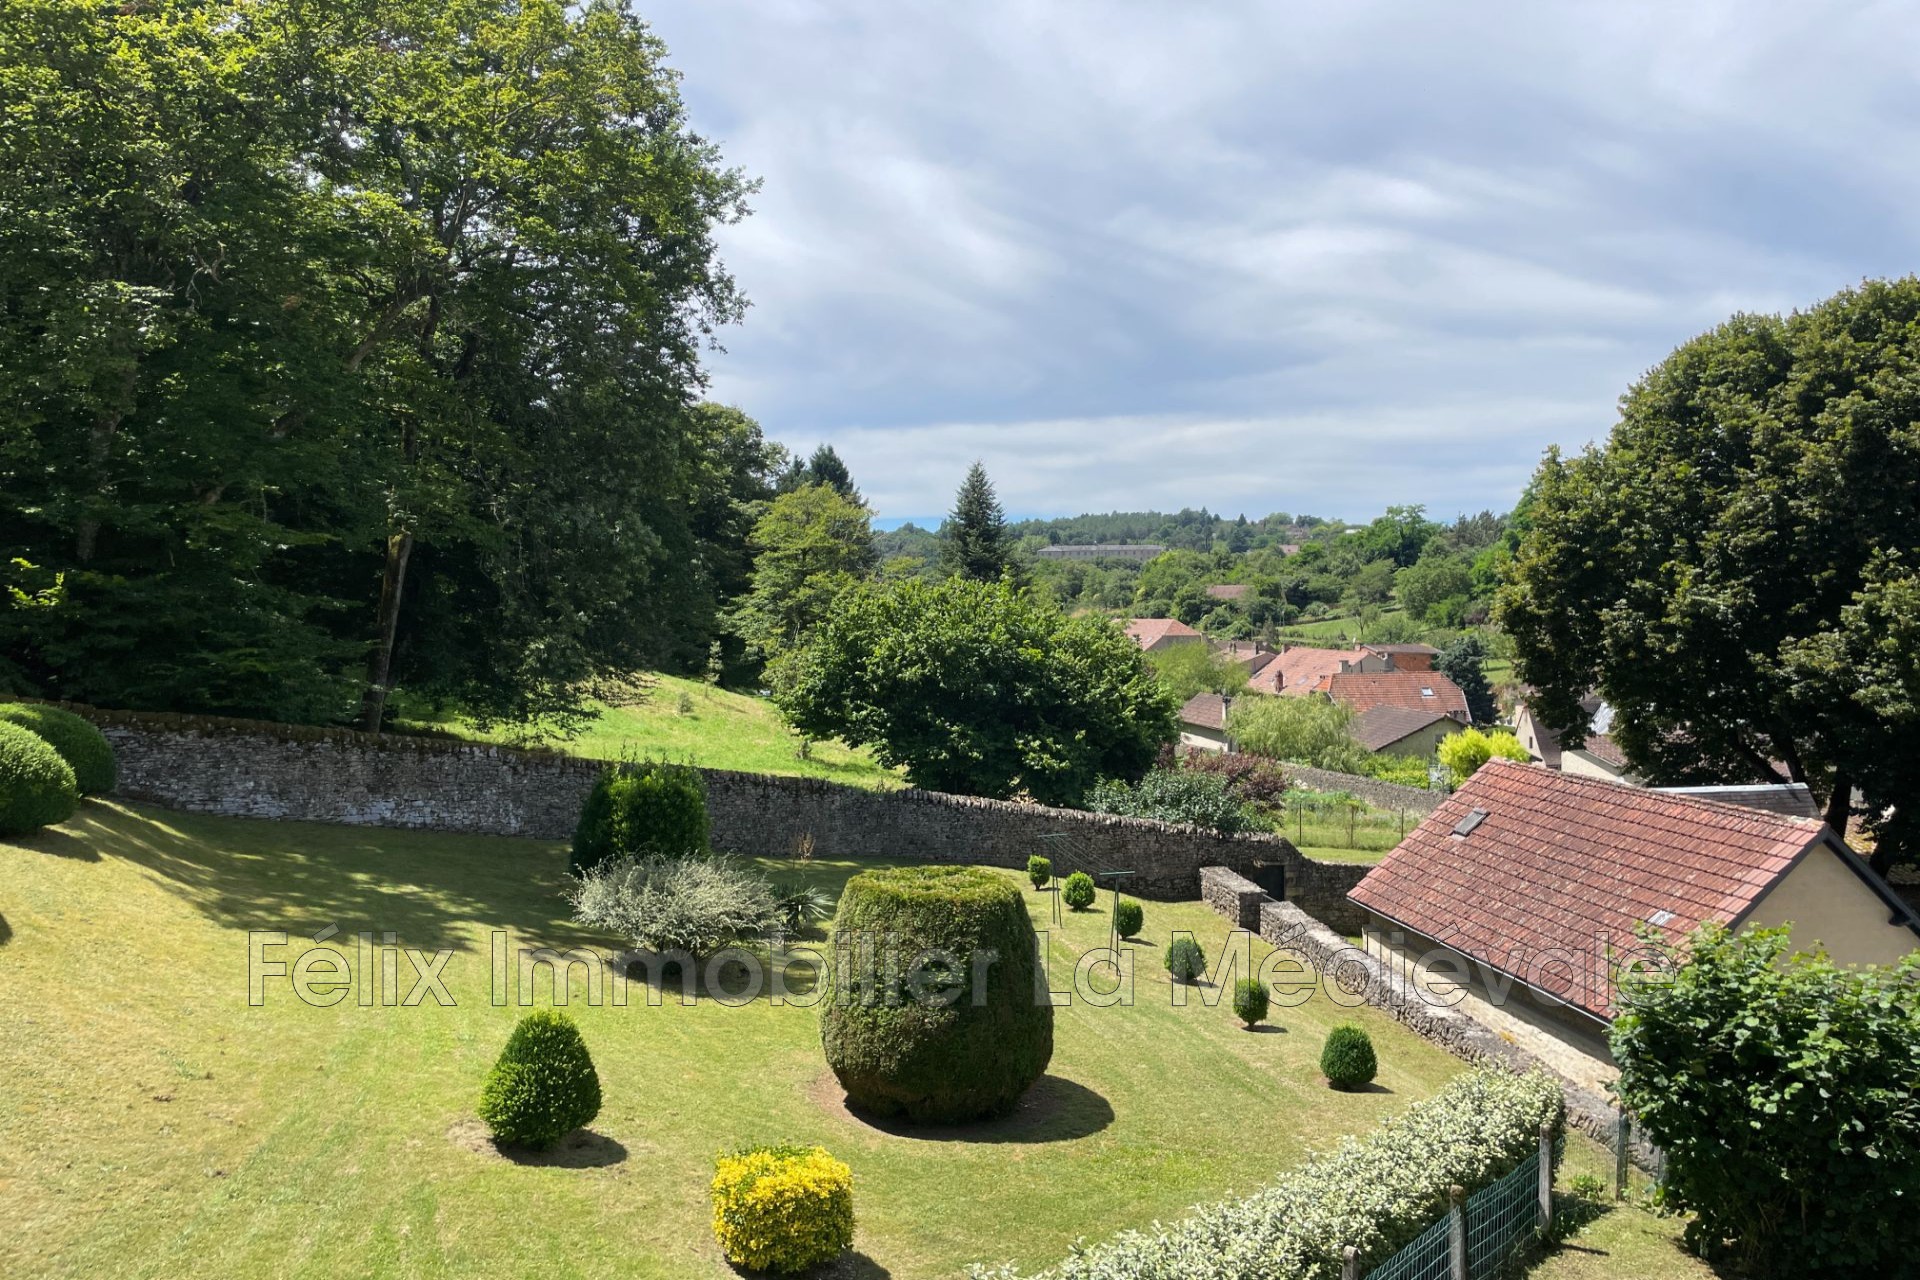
(81, 745)
(37, 787)
(1375, 1192)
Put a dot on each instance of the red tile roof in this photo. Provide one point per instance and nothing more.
(1381, 727)
(1603, 748)
(1300, 670)
(1148, 630)
(1422, 690)
(1205, 711)
(1566, 866)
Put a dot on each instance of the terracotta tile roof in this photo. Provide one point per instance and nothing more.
(1603, 748)
(1205, 711)
(1146, 631)
(1251, 654)
(1381, 727)
(1300, 670)
(1228, 590)
(1572, 866)
(1428, 690)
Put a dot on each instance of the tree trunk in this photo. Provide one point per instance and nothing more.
(393, 578)
(1840, 804)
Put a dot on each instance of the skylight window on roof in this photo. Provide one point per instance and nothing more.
(1660, 919)
(1426, 692)
(1465, 826)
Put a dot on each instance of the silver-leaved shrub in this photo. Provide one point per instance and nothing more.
(697, 905)
(1375, 1192)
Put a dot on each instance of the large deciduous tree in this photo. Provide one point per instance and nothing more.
(344, 343)
(979, 688)
(808, 549)
(1734, 570)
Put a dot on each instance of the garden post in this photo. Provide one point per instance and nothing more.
(1622, 1135)
(1457, 1231)
(1546, 1174)
(1350, 1263)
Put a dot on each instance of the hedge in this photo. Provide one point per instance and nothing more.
(916, 1044)
(543, 1086)
(642, 810)
(80, 744)
(1375, 1192)
(37, 787)
(783, 1208)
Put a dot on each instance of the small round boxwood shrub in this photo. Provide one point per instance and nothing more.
(1185, 960)
(784, 1208)
(1128, 917)
(642, 810)
(916, 1021)
(1348, 1061)
(37, 787)
(81, 745)
(543, 1086)
(1250, 1001)
(1077, 891)
(1039, 870)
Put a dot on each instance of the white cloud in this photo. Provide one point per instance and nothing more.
(1321, 256)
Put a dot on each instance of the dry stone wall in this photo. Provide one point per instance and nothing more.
(1375, 791)
(253, 769)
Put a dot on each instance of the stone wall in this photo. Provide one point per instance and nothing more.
(1391, 796)
(253, 769)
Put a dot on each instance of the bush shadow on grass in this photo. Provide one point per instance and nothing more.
(6, 932)
(58, 843)
(848, 1266)
(581, 1149)
(1055, 1109)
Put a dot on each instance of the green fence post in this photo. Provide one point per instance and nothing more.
(1546, 1175)
(1622, 1137)
(1457, 1231)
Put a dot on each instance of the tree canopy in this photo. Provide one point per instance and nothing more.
(974, 542)
(1733, 570)
(343, 345)
(810, 546)
(978, 688)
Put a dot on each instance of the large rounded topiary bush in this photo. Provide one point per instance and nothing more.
(1348, 1061)
(543, 1086)
(906, 1029)
(37, 787)
(80, 744)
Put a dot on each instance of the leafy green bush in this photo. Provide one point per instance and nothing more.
(1312, 731)
(911, 1025)
(1255, 781)
(1348, 1060)
(782, 1209)
(1781, 1088)
(81, 745)
(1078, 891)
(37, 787)
(1376, 1192)
(1192, 797)
(543, 1086)
(1408, 771)
(1185, 960)
(1250, 1001)
(642, 809)
(1463, 753)
(1128, 917)
(695, 905)
(1039, 870)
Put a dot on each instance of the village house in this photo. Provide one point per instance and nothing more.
(1155, 634)
(1364, 691)
(1598, 757)
(1402, 731)
(1203, 722)
(1520, 898)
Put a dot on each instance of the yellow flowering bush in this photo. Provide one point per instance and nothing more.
(783, 1208)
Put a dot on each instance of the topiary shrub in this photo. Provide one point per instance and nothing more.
(918, 1021)
(1250, 1001)
(1039, 870)
(1077, 891)
(82, 746)
(1348, 1060)
(37, 787)
(784, 1208)
(543, 1086)
(1128, 917)
(1185, 960)
(641, 810)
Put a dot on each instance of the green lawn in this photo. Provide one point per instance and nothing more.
(158, 1125)
(691, 721)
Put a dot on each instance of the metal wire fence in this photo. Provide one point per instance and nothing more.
(1429, 1257)
(1497, 1221)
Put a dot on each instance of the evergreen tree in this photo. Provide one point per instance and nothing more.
(1465, 663)
(974, 542)
(825, 467)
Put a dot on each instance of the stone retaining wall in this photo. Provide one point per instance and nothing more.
(1392, 796)
(246, 768)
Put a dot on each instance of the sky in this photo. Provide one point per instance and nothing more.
(1272, 255)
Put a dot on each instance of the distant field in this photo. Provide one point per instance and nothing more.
(717, 730)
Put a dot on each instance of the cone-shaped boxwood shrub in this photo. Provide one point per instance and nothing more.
(1128, 917)
(930, 1012)
(81, 745)
(1250, 1001)
(783, 1208)
(544, 1086)
(640, 810)
(1077, 891)
(37, 788)
(1185, 960)
(1348, 1062)
(1039, 870)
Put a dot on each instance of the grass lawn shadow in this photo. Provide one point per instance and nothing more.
(62, 844)
(6, 932)
(848, 1266)
(1055, 1109)
(581, 1149)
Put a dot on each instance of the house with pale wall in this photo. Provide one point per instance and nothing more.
(1598, 757)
